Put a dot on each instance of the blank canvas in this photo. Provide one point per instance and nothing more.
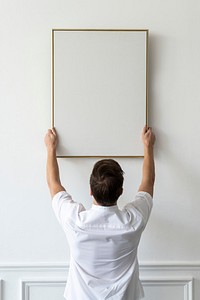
(99, 87)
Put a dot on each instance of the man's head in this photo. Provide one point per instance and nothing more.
(106, 182)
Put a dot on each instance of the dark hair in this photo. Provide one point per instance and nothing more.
(106, 182)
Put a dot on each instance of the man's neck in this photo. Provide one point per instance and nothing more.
(96, 203)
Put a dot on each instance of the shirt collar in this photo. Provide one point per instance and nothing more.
(108, 208)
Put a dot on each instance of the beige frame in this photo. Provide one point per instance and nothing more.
(53, 102)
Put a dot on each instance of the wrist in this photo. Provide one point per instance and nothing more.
(148, 149)
(51, 149)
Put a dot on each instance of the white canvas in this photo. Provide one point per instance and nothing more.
(100, 92)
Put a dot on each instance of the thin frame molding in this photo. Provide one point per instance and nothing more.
(53, 82)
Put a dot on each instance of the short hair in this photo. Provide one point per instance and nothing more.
(106, 182)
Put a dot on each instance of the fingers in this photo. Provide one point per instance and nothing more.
(146, 130)
(51, 139)
(149, 131)
(54, 131)
(148, 136)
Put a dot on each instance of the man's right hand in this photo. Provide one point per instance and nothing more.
(148, 137)
(51, 139)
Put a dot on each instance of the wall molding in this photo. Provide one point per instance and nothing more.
(185, 283)
(64, 266)
(155, 275)
(26, 285)
(171, 266)
(1, 289)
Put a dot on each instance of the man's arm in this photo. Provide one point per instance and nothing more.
(52, 169)
(148, 170)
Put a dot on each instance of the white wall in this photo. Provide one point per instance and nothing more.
(29, 232)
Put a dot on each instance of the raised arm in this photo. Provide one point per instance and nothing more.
(52, 169)
(148, 169)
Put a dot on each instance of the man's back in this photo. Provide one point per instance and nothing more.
(103, 243)
(103, 240)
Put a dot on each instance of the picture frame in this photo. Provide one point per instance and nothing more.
(99, 91)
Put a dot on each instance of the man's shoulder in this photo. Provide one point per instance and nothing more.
(65, 207)
(141, 205)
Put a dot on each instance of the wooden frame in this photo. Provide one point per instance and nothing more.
(58, 60)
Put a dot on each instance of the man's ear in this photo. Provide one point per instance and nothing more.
(121, 191)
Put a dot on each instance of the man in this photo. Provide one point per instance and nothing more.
(103, 240)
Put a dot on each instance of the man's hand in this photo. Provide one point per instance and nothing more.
(148, 137)
(51, 139)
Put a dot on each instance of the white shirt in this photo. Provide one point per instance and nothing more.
(103, 243)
